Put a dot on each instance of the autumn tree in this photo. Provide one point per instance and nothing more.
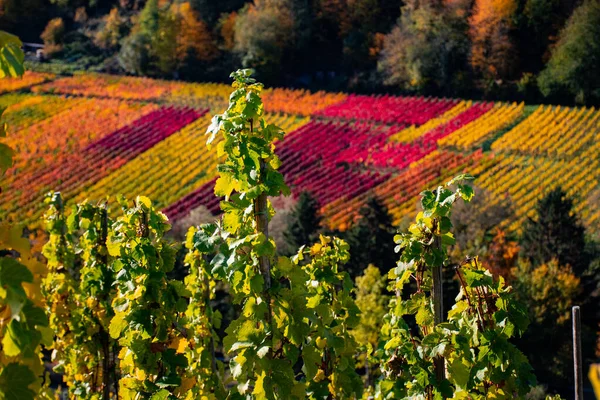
(427, 49)
(227, 30)
(549, 291)
(264, 30)
(165, 37)
(575, 61)
(53, 36)
(493, 53)
(502, 255)
(135, 54)
(111, 31)
(193, 36)
(372, 300)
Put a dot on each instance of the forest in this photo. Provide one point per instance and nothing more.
(540, 51)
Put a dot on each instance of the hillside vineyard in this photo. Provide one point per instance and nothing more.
(90, 135)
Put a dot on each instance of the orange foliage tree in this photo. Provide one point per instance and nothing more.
(193, 35)
(227, 30)
(492, 52)
(502, 255)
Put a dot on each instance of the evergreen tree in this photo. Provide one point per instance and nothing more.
(555, 234)
(304, 222)
(371, 239)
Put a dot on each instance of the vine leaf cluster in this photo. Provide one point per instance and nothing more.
(472, 346)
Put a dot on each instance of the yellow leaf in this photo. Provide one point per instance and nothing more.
(224, 185)
(319, 376)
(259, 390)
(321, 342)
(179, 344)
(140, 375)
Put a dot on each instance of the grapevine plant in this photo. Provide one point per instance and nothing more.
(23, 323)
(469, 356)
(148, 305)
(78, 291)
(291, 340)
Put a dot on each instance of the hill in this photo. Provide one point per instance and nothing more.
(90, 135)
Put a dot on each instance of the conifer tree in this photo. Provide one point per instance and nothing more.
(556, 233)
(304, 222)
(371, 239)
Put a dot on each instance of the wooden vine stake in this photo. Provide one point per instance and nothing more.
(577, 361)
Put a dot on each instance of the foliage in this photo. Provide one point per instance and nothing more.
(573, 67)
(492, 49)
(372, 300)
(426, 49)
(548, 291)
(134, 56)
(263, 32)
(371, 239)
(164, 38)
(304, 222)
(193, 35)
(502, 255)
(205, 374)
(475, 222)
(473, 346)
(11, 56)
(53, 36)
(23, 324)
(78, 293)
(148, 306)
(556, 233)
(111, 32)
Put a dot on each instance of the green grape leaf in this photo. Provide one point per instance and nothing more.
(117, 325)
(14, 382)
(18, 338)
(162, 394)
(6, 157)
(13, 273)
(11, 56)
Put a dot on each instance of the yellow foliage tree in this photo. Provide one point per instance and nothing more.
(492, 52)
(549, 290)
(109, 35)
(372, 302)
